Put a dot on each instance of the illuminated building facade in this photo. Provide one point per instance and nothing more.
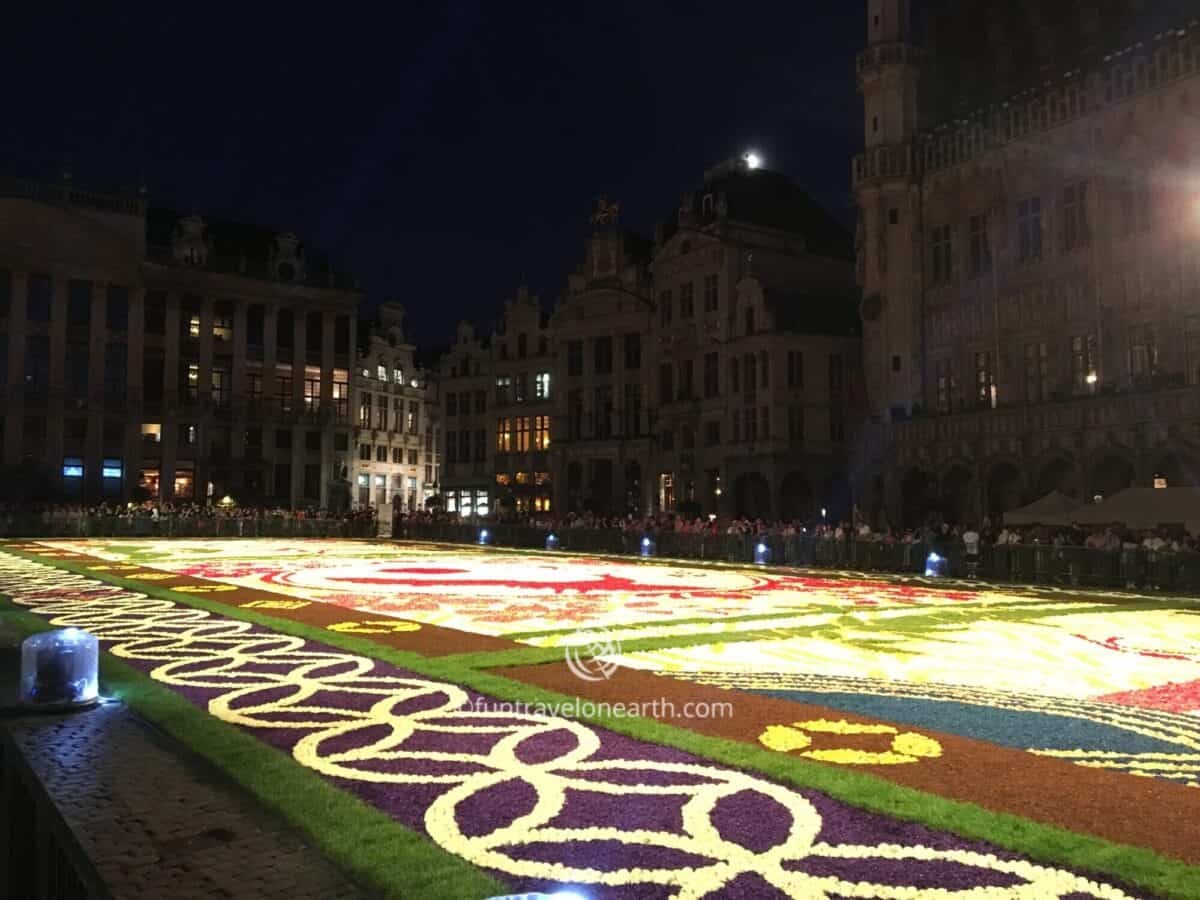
(713, 370)
(397, 447)
(151, 354)
(1027, 252)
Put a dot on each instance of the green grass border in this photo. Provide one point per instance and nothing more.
(1136, 866)
(390, 860)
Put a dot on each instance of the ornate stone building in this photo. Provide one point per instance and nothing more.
(1027, 252)
(715, 366)
(397, 443)
(186, 357)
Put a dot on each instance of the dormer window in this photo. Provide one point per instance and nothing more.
(706, 205)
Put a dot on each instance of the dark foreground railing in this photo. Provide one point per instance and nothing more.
(63, 526)
(1018, 563)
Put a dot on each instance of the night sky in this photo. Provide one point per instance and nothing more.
(443, 154)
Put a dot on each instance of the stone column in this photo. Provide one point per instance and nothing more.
(173, 328)
(206, 349)
(15, 376)
(237, 437)
(299, 355)
(96, 394)
(269, 403)
(135, 361)
(52, 452)
(134, 392)
(328, 362)
(239, 349)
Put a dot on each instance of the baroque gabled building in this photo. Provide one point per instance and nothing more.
(1027, 251)
(397, 445)
(149, 353)
(713, 369)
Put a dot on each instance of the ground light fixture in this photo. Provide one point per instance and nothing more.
(552, 542)
(648, 546)
(935, 565)
(59, 670)
(762, 554)
(485, 536)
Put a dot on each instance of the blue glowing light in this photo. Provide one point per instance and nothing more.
(59, 669)
(935, 565)
(485, 536)
(552, 542)
(647, 546)
(762, 554)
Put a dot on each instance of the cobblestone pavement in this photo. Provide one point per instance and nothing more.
(158, 822)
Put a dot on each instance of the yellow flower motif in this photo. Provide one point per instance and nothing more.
(848, 757)
(825, 726)
(781, 738)
(374, 627)
(912, 744)
(906, 747)
(150, 576)
(275, 604)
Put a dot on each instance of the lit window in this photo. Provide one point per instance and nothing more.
(152, 433)
(397, 376)
(148, 480)
(542, 386)
(185, 483)
(541, 432)
(381, 372)
(111, 468)
(222, 328)
(72, 467)
(194, 326)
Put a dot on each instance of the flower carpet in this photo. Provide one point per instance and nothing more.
(1071, 711)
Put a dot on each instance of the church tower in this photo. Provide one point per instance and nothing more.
(888, 200)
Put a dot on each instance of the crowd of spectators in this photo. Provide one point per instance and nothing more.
(969, 536)
(181, 510)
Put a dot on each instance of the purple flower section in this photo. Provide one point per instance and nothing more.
(496, 807)
(586, 809)
(753, 821)
(906, 873)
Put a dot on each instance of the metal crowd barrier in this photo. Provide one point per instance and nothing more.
(54, 525)
(1081, 567)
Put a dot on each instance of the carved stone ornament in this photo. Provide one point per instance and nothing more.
(189, 246)
(287, 263)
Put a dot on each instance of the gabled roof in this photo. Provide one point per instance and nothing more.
(802, 312)
(239, 248)
(769, 200)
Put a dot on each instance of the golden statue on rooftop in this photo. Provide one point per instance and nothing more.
(606, 213)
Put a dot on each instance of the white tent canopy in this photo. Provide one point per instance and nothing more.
(1144, 508)
(1133, 507)
(1051, 509)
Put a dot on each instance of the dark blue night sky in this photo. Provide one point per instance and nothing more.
(442, 152)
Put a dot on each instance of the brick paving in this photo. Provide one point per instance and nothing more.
(158, 822)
